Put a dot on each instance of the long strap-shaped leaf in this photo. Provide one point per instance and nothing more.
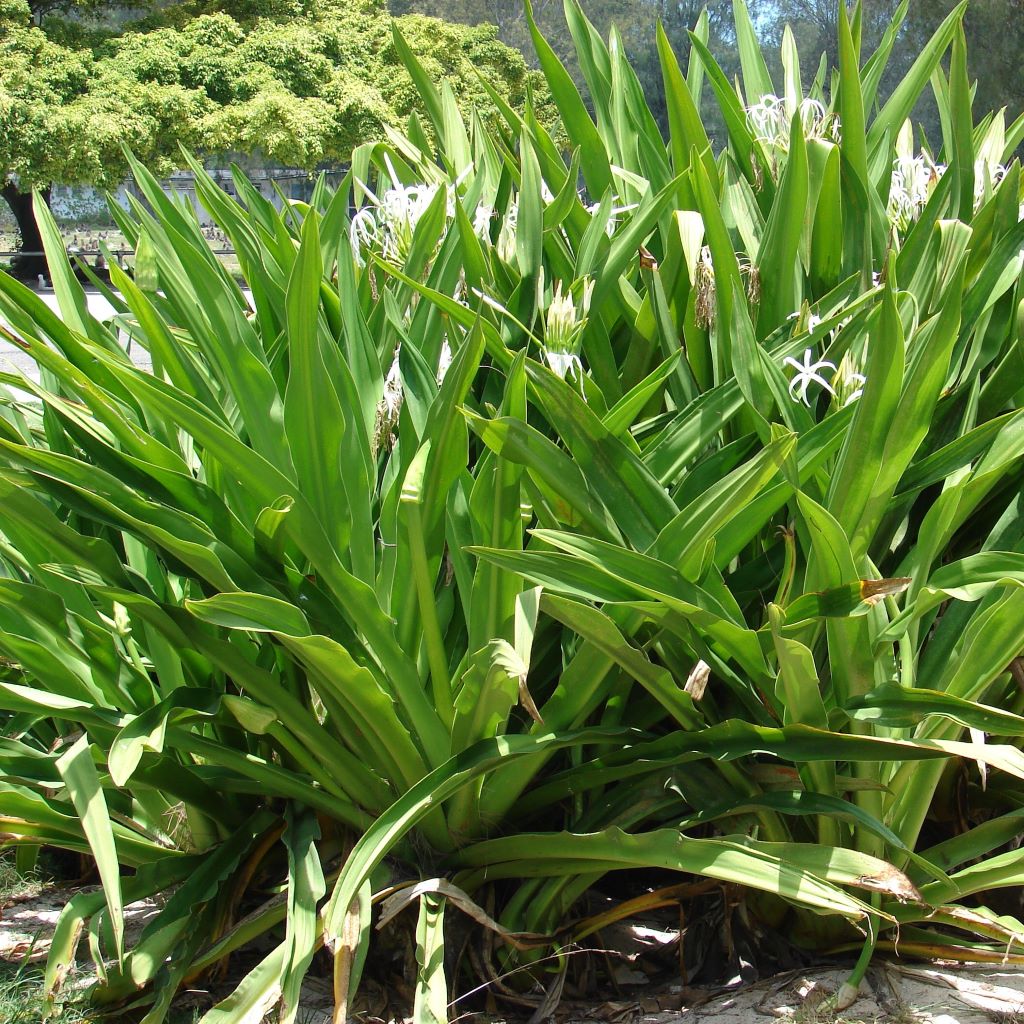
(79, 773)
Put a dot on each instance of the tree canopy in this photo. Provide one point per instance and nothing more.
(299, 83)
(994, 28)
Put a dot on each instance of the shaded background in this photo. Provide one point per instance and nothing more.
(995, 37)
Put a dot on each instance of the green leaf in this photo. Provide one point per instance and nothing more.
(738, 861)
(313, 414)
(779, 252)
(306, 886)
(600, 630)
(575, 118)
(901, 708)
(419, 799)
(79, 773)
(686, 130)
(431, 1000)
(905, 96)
(757, 82)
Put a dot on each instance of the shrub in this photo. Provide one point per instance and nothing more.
(510, 536)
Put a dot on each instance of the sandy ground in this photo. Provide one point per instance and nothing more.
(27, 923)
(893, 993)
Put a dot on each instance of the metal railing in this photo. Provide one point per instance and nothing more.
(117, 254)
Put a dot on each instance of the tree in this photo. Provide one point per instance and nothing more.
(994, 28)
(300, 85)
(634, 20)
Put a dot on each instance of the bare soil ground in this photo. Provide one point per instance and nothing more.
(893, 993)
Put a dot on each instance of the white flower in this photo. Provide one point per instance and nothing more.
(565, 364)
(482, 221)
(769, 119)
(808, 372)
(814, 118)
(613, 215)
(389, 406)
(506, 244)
(393, 391)
(563, 326)
(986, 174)
(387, 224)
(858, 380)
(444, 361)
(398, 215)
(848, 381)
(363, 233)
(913, 178)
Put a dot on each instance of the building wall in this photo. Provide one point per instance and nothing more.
(85, 203)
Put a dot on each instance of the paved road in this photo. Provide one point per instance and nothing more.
(12, 356)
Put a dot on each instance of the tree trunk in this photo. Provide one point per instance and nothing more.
(29, 263)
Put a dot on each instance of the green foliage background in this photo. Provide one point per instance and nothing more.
(300, 85)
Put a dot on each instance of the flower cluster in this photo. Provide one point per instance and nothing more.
(563, 328)
(847, 382)
(706, 292)
(914, 179)
(387, 225)
(770, 120)
(911, 185)
(846, 385)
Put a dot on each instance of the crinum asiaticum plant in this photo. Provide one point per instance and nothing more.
(509, 534)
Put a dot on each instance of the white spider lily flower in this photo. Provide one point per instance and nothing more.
(563, 327)
(848, 382)
(859, 380)
(986, 176)
(387, 225)
(813, 118)
(506, 243)
(482, 217)
(393, 391)
(911, 185)
(363, 234)
(399, 214)
(389, 407)
(444, 361)
(564, 364)
(807, 373)
(769, 120)
(614, 215)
